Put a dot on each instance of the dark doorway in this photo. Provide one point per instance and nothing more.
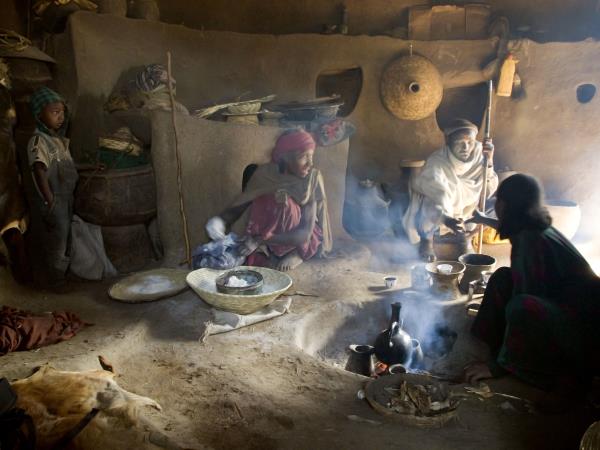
(464, 103)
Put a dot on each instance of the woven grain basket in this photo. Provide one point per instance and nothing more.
(411, 87)
(203, 282)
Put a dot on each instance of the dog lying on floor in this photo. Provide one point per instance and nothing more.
(59, 402)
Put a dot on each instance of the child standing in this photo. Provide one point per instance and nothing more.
(50, 195)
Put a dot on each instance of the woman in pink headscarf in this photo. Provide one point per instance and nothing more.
(286, 204)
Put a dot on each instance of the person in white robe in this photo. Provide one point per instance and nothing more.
(447, 191)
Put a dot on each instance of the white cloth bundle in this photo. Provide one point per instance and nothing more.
(224, 321)
(88, 257)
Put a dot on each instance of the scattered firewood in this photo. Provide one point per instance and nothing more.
(419, 399)
(239, 411)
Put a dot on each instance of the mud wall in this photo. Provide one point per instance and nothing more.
(541, 20)
(218, 66)
(13, 15)
(546, 132)
(546, 19)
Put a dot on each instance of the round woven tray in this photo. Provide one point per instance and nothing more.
(378, 397)
(203, 282)
(149, 286)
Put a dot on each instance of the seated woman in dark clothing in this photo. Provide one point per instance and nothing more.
(540, 317)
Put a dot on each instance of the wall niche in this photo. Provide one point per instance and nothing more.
(346, 83)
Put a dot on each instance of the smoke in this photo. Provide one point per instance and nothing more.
(373, 215)
(425, 319)
(366, 209)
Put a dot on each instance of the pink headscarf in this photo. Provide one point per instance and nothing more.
(295, 141)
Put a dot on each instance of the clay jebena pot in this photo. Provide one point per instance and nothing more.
(394, 345)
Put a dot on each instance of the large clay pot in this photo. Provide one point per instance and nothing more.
(27, 75)
(475, 264)
(566, 216)
(450, 246)
(116, 197)
(128, 248)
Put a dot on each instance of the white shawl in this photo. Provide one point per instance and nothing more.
(453, 186)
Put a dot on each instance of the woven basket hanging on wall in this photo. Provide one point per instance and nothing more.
(411, 87)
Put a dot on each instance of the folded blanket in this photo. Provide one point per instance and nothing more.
(23, 330)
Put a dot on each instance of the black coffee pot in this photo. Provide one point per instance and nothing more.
(394, 345)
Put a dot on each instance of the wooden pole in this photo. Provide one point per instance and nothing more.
(186, 237)
(483, 198)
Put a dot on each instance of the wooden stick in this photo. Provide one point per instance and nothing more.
(482, 206)
(483, 198)
(29, 19)
(186, 237)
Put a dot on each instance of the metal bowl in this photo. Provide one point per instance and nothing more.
(253, 278)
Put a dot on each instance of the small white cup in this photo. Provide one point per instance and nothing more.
(390, 281)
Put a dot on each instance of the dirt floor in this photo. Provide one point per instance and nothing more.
(281, 384)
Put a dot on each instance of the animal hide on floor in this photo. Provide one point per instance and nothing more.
(57, 401)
